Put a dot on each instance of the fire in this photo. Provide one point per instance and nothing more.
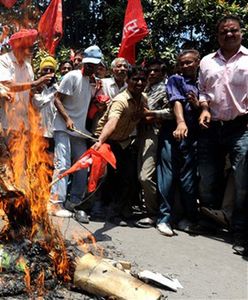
(32, 172)
(40, 283)
(21, 263)
(86, 242)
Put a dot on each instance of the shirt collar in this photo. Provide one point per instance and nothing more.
(130, 97)
(241, 50)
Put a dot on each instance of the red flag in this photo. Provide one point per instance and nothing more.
(8, 3)
(135, 29)
(50, 26)
(97, 161)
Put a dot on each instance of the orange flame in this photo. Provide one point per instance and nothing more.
(87, 243)
(40, 283)
(32, 167)
(27, 279)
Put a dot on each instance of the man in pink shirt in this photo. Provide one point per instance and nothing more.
(223, 82)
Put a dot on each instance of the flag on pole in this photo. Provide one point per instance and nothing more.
(134, 30)
(50, 26)
(8, 3)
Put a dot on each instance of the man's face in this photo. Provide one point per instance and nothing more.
(120, 71)
(188, 64)
(47, 70)
(101, 71)
(65, 68)
(27, 52)
(229, 35)
(137, 83)
(77, 62)
(89, 69)
(155, 74)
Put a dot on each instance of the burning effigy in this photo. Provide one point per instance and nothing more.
(36, 261)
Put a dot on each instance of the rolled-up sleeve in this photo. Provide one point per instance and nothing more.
(174, 89)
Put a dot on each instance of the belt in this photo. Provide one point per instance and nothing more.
(237, 121)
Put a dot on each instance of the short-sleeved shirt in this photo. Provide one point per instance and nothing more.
(126, 109)
(78, 92)
(110, 87)
(15, 114)
(177, 88)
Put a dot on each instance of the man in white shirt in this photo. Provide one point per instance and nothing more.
(117, 83)
(72, 102)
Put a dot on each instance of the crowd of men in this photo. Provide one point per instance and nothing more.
(181, 139)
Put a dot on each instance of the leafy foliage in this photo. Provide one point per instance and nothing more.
(173, 25)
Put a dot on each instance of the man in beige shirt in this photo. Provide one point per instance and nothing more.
(115, 127)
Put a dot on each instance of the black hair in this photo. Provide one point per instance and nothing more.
(134, 70)
(226, 18)
(156, 61)
(67, 61)
(79, 52)
(187, 51)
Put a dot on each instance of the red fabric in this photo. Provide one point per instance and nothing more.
(50, 26)
(23, 38)
(98, 160)
(94, 108)
(135, 29)
(8, 3)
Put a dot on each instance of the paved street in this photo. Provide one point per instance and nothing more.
(205, 266)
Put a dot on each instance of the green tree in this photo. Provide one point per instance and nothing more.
(173, 25)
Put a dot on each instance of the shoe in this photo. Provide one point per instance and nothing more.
(165, 229)
(145, 222)
(81, 217)
(217, 215)
(238, 249)
(118, 221)
(185, 225)
(239, 244)
(57, 210)
(71, 206)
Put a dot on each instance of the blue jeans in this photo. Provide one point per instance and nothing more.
(67, 150)
(177, 163)
(214, 144)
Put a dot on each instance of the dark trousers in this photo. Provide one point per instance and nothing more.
(215, 143)
(121, 186)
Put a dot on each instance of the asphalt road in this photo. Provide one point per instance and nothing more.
(206, 266)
